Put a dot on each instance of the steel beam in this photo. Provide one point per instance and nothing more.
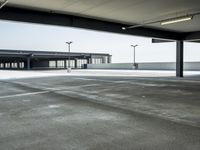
(179, 58)
(53, 18)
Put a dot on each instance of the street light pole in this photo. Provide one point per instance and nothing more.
(134, 46)
(69, 46)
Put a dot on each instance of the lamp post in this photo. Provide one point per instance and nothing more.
(134, 46)
(69, 46)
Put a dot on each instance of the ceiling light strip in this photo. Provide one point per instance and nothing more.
(3, 3)
(176, 20)
(164, 22)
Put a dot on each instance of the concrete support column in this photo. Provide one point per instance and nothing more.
(103, 60)
(179, 58)
(91, 60)
(75, 63)
(56, 63)
(109, 59)
(28, 63)
(18, 65)
(88, 60)
(65, 65)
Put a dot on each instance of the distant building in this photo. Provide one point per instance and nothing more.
(21, 59)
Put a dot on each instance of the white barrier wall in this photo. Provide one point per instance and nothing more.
(110, 66)
(193, 66)
(157, 66)
(146, 66)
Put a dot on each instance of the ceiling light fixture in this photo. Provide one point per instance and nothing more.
(123, 28)
(176, 20)
(3, 3)
(164, 21)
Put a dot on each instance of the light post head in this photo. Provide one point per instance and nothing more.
(134, 45)
(70, 42)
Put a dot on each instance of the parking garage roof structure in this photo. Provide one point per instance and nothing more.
(109, 15)
(132, 17)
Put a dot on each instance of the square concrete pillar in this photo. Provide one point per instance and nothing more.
(75, 63)
(109, 59)
(18, 66)
(28, 63)
(65, 65)
(56, 63)
(179, 58)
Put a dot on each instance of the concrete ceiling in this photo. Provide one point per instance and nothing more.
(123, 11)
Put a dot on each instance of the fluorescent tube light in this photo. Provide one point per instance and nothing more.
(176, 20)
(3, 3)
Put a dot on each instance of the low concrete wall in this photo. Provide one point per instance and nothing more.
(157, 66)
(192, 66)
(127, 66)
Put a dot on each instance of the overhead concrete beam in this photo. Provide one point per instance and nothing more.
(161, 41)
(51, 18)
(192, 36)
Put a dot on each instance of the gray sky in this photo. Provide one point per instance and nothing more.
(26, 36)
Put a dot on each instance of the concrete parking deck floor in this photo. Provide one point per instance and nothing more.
(99, 113)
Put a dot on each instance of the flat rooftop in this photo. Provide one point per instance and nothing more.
(5, 52)
(99, 112)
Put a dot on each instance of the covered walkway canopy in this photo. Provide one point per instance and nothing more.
(149, 18)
